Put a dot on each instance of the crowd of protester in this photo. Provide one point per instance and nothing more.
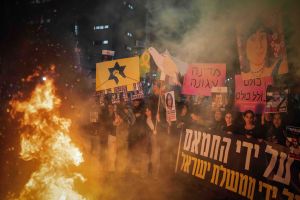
(138, 138)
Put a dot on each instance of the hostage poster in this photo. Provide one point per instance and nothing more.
(277, 99)
(170, 106)
(261, 46)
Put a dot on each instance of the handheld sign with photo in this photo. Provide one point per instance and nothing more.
(219, 98)
(138, 92)
(277, 99)
(170, 106)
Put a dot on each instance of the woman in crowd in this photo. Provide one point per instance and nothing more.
(276, 132)
(122, 140)
(198, 119)
(250, 130)
(183, 117)
(154, 140)
(138, 141)
(109, 124)
(266, 122)
(217, 122)
(228, 128)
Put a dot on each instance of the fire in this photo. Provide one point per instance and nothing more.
(45, 138)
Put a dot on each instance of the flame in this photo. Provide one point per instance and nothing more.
(45, 138)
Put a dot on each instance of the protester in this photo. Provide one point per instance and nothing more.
(276, 132)
(111, 143)
(197, 120)
(154, 141)
(122, 141)
(183, 118)
(266, 121)
(249, 129)
(217, 122)
(138, 141)
(228, 128)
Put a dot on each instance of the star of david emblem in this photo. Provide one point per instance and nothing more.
(116, 69)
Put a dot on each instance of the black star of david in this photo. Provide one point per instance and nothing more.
(120, 70)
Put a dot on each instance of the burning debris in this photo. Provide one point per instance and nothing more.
(45, 137)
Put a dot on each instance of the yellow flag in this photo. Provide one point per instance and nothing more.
(145, 63)
(115, 73)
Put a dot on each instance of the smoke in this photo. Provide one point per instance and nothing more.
(205, 31)
(194, 31)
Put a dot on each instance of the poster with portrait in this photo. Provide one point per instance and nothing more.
(170, 106)
(277, 99)
(219, 98)
(138, 92)
(115, 98)
(261, 46)
(293, 141)
(122, 93)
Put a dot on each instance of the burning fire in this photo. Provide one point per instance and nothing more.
(45, 138)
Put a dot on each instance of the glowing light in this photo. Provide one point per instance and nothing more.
(45, 138)
(44, 78)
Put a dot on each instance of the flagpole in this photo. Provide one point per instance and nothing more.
(178, 151)
(159, 99)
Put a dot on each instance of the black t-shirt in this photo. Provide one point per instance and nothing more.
(228, 129)
(254, 132)
(276, 135)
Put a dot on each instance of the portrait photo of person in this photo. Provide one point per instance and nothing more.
(219, 98)
(169, 101)
(276, 100)
(261, 49)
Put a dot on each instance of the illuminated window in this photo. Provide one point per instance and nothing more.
(130, 6)
(105, 42)
(76, 29)
(101, 27)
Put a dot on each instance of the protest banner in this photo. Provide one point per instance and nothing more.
(277, 99)
(251, 94)
(115, 73)
(170, 106)
(200, 78)
(261, 46)
(236, 166)
(219, 98)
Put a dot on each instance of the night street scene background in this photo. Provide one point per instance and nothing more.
(149, 99)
